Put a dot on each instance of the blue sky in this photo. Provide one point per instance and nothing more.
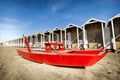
(33, 16)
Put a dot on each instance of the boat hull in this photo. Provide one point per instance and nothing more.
(76, 59)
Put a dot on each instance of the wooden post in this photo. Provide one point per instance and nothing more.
(84, 38)
(52, 36)
(36, 40)
(49, 37)
(113, 34)
(41, 41)
(103, 35)
(21, 43)
(61, 35)
(78, 44)
(65, 39)
(31, 41)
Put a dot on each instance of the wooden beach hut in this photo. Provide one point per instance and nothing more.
(34, 40)
(40, 40)
(73, 37)
(114, 27)
(57, 34)
(47, 36)
(21, 42)
(30, 40)
(94, 34)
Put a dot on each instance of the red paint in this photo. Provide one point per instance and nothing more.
(72, 58)
(54, 46)
(27, 44)
(48, 47)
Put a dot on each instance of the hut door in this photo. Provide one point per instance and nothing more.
(69, 40)
(108, 38)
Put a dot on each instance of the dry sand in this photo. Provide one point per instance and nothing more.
(13, 67)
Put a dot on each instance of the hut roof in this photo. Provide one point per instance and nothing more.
(70, 25)
(57, 28)
(32, 35)
(40, 33)
(47, 31)
(116, 16)
(93, 20)
(109, 21)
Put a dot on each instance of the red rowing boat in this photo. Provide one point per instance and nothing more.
(55, 54)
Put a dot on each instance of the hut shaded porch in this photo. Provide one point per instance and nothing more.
(39, 42)
(117, 32)
(73, 37)
(47, 36)
(58, 35)
(114, 25)
(94, 34)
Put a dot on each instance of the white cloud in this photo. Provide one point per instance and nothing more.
(56, 5)
(8, 20)
(8, 23)
(70, 17)
(11, 28)
(9, 34)
(7, 26)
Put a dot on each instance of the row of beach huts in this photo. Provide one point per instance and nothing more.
(93, 34)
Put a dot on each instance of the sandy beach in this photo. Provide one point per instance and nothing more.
(13, 67)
